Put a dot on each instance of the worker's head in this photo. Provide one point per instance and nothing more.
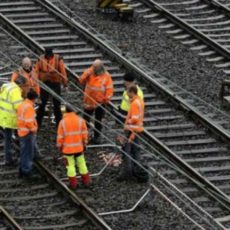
(98, 67)
(132, 91)
(129, 80)
(69, 109)
(32, 95)
(27, 64)
(48, 52)
(20, 80)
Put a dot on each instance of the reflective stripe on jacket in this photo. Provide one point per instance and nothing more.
(125, 103)
(10, 99)
(47, 69)
(72, 134)
(135, 116)
(98, 89)
(31, 81)
(26, 118)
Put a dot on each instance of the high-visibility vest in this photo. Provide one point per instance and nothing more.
(10, 99)
(48, 69)
(125, 103)
(31, 81)
(135, 116)
(26, 118)
(97, 88)
(72, 134)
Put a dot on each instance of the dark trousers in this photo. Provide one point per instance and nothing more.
(133, 150)
(99, 114)
(27, 148)
(8, 140)
(56, 87)
(120, 115)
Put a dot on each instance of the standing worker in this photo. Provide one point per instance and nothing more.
(27, 129)
(10, 99)
(30, 75)
(133, 126)
(51, 71)
(129, 80)
(72, 137)
(98, 92)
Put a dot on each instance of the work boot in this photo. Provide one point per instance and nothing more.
(73, 182)
(85, 179)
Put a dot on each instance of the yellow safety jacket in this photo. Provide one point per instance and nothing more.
(10, 99)
(125, 103)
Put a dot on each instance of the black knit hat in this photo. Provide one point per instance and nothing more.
(129, 77)
(48, 51)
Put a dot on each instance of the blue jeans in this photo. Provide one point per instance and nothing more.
(7, 144)
(27, 147)
(133, 150)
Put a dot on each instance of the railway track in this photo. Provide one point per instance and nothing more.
(42, 203)
(187, 140)
(201, 24)
(201, 217)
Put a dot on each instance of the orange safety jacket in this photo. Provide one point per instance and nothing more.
(135, 116)
(98, 89)
(26, 118)
(72, 134)
(31, 81)
(52, 70)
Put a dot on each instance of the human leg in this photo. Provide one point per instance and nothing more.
(26, 154)
(56, 103)
(83, 170)
(7, 146)
(71, 170)
(41, 109)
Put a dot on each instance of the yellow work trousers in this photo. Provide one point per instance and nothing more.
(71, 161)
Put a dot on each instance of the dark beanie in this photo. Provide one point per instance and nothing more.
(129, 77)
(48, 51)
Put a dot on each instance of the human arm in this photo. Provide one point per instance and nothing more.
(85, 76)
(108, 89)
(60, 136)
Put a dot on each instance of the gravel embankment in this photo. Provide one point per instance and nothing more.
(158, 50)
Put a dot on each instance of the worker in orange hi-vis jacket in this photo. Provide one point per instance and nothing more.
(51, 71)
(98, 92)
(27, 130)
(133, 128)
(72, 137)
(27, 71)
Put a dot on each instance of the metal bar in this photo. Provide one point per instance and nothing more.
(10, 219)
(126, 210)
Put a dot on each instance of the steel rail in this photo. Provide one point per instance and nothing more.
(10, 220)
(135, 69)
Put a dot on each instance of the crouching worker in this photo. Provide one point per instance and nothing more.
(72, 138)
(27, 130)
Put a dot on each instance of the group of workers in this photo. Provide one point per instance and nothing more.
(17, 112)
